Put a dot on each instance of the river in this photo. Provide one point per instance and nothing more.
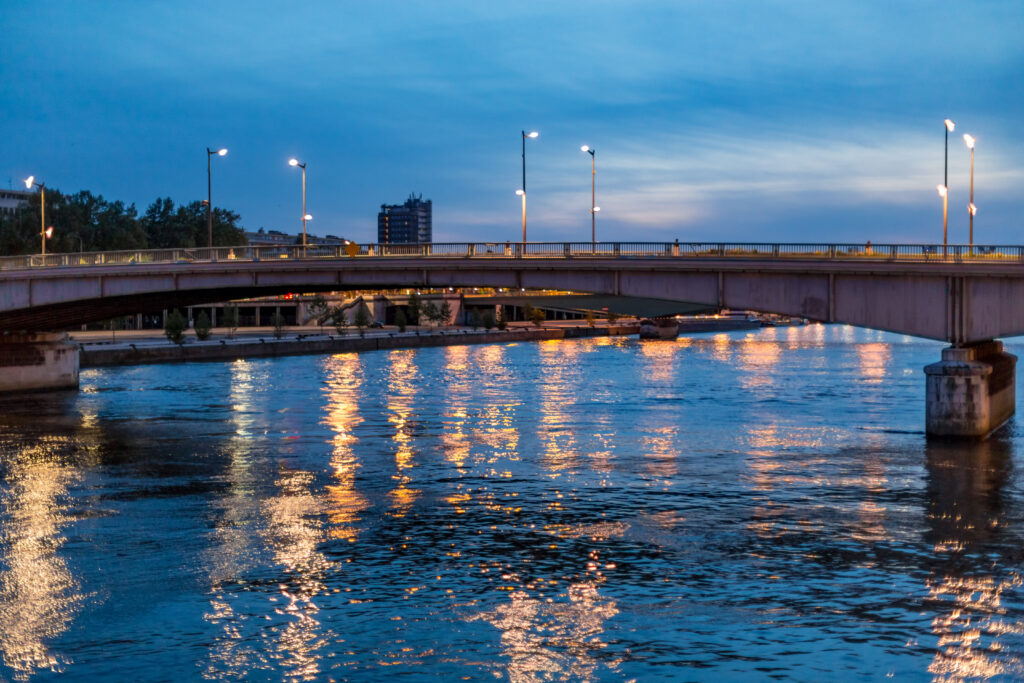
(745, 506)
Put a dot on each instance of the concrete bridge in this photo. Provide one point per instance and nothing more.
(967, 296)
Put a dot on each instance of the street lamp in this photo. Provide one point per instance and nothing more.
(593, 178)
(522, 192)
(43, 232)
(971, 208)
(950, 126)
(944, 193)
(209, 194)
(305, 216)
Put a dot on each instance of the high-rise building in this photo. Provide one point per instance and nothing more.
(408, 223)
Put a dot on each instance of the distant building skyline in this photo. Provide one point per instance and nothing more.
(275, 238)
(408, 223)
(12, 200)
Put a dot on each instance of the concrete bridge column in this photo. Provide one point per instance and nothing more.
(37, 361)
(971, 391)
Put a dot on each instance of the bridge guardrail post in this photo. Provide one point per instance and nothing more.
(617, 250)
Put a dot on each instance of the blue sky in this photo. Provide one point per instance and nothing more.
(726, 120)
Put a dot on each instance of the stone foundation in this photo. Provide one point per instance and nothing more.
(39, 361)
(971, 391)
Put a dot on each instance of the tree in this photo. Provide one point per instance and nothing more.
(537, 317)
(339, 319)
(229, 319)
(413, 308)
(400, 320)
(362, 319)
(202, 326)
(429, 311)
(502, 320)
(528, 311)
(488, 321)
(590, 318)
(175, 327)
(319, 309)
(444, 314)
(115, 324)
(277, 320)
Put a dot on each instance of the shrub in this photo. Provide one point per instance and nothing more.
(202, 326)
(175, 327)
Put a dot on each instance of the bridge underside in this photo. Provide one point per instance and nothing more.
(936, 301)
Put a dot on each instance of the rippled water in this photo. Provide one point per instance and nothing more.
(745, 506)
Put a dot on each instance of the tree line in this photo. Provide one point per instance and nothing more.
(86, 222)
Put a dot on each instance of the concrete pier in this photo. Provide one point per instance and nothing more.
(37, 361)
(971, 391)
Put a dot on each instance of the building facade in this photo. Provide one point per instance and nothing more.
(408, 223)
(12, 200)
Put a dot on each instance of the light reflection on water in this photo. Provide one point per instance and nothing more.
(748, 505)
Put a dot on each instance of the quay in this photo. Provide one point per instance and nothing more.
(149, 349)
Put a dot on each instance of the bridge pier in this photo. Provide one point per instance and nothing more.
(37, 361)
(971, 391)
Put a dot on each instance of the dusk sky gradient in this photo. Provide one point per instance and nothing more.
(733, 121)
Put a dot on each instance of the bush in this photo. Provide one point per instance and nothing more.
(488, 321)
(502, 321)
(319, 309)
(362, 319)
(413, 308)
(202, 326)
(229, 319)
(400, 320)
(277, 320)
(444, 314)
(175, 327)
(537, 317)
(474, 319)
(339, 320)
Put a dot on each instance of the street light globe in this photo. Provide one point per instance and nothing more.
(28, 181)
(969, 141)
(942, 190)
(293, 162)
(532, 134)
(49, 232)
(307, 217)
(972, 208)
(596, 209)
(520, 192)
(585, 148)
(950, 126)
(222, 152)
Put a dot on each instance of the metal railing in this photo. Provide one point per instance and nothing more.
(938, 253)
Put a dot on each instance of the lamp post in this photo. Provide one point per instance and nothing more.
(950, 126)
(305, 216)
(944, 193)
(29, 182)
(522, 192)
(971, 208)
(209, 194)
(594, 208)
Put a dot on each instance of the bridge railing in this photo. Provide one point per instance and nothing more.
(954, 253)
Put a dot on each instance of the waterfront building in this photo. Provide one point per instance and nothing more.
(408, 223)
(276, 238)
(12, 200)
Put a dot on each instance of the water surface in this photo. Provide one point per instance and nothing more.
(744, 506)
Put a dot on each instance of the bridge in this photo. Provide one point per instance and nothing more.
(966, 296)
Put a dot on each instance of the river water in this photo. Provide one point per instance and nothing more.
(744, 506)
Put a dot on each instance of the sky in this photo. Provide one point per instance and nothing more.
(741, 121)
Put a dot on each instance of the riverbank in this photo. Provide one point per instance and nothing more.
(140, 350)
